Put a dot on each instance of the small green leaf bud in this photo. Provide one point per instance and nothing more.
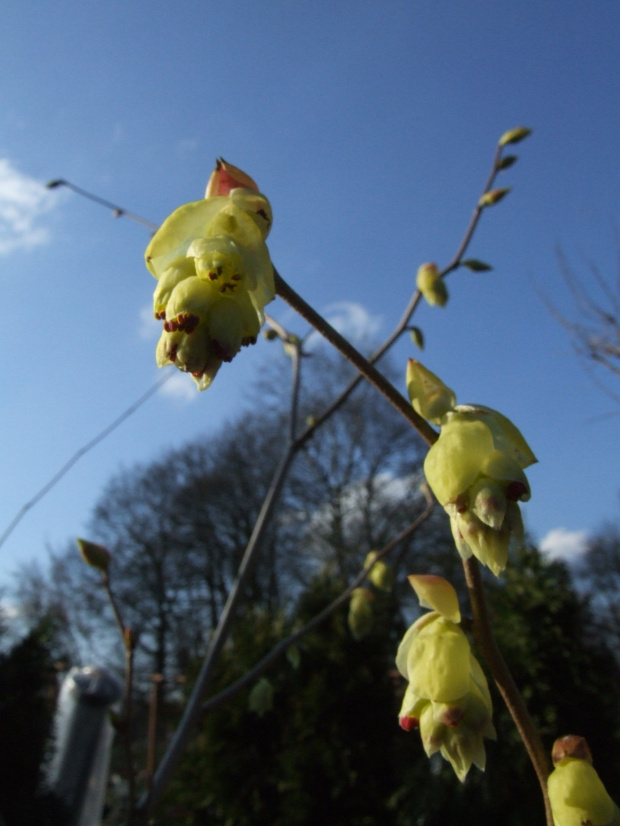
(432, 286)
(261, 697)
(269, 334)
(514, 135)
(430, 397)
(94, 555)
(476, 266)
(508, 161)
(417, 336)
(493, 196)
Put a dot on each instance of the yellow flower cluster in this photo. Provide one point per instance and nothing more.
(475, 469)
(447, 697)
(214, 275)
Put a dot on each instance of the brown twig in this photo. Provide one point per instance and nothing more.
(489, 649)
(282, 646)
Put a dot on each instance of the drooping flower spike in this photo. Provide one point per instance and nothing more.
(214, 275)
(475, 469)
(447, 697)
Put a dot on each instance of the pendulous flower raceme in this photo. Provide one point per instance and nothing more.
(214, 275)
(475, 469)
(447, 697)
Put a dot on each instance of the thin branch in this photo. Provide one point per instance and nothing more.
(193, 709)
(128, 641)
(282, 646)
(78, 455)
(117, 210)
(413, 303)
(355, 357)
(475, 218)
(489, 649)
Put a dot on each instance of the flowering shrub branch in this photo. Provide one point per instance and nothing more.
(214, 280)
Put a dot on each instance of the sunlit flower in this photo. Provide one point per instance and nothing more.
(214, 275)
(475, 469)
(447, 697)
(576, 793)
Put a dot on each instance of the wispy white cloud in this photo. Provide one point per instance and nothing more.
(562, 544)
(353, 321)
(180, 386)
(23, 200)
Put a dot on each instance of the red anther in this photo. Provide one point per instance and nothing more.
(172, 352)
(515, 491)
(408, 723)
(248, 340)
(191, 322)
(213, 275)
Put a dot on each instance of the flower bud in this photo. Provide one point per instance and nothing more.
(576, 793)
(430, 397)
(514, 135)
(214, 275)
(492, 197)
(361, 617)
(94, 555)
(225, 177)
(432, 286)
(381, 574)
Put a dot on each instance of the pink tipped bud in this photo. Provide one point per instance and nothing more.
(408, 723)
(225, 177)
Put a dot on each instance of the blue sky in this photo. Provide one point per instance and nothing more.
(371, 128)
